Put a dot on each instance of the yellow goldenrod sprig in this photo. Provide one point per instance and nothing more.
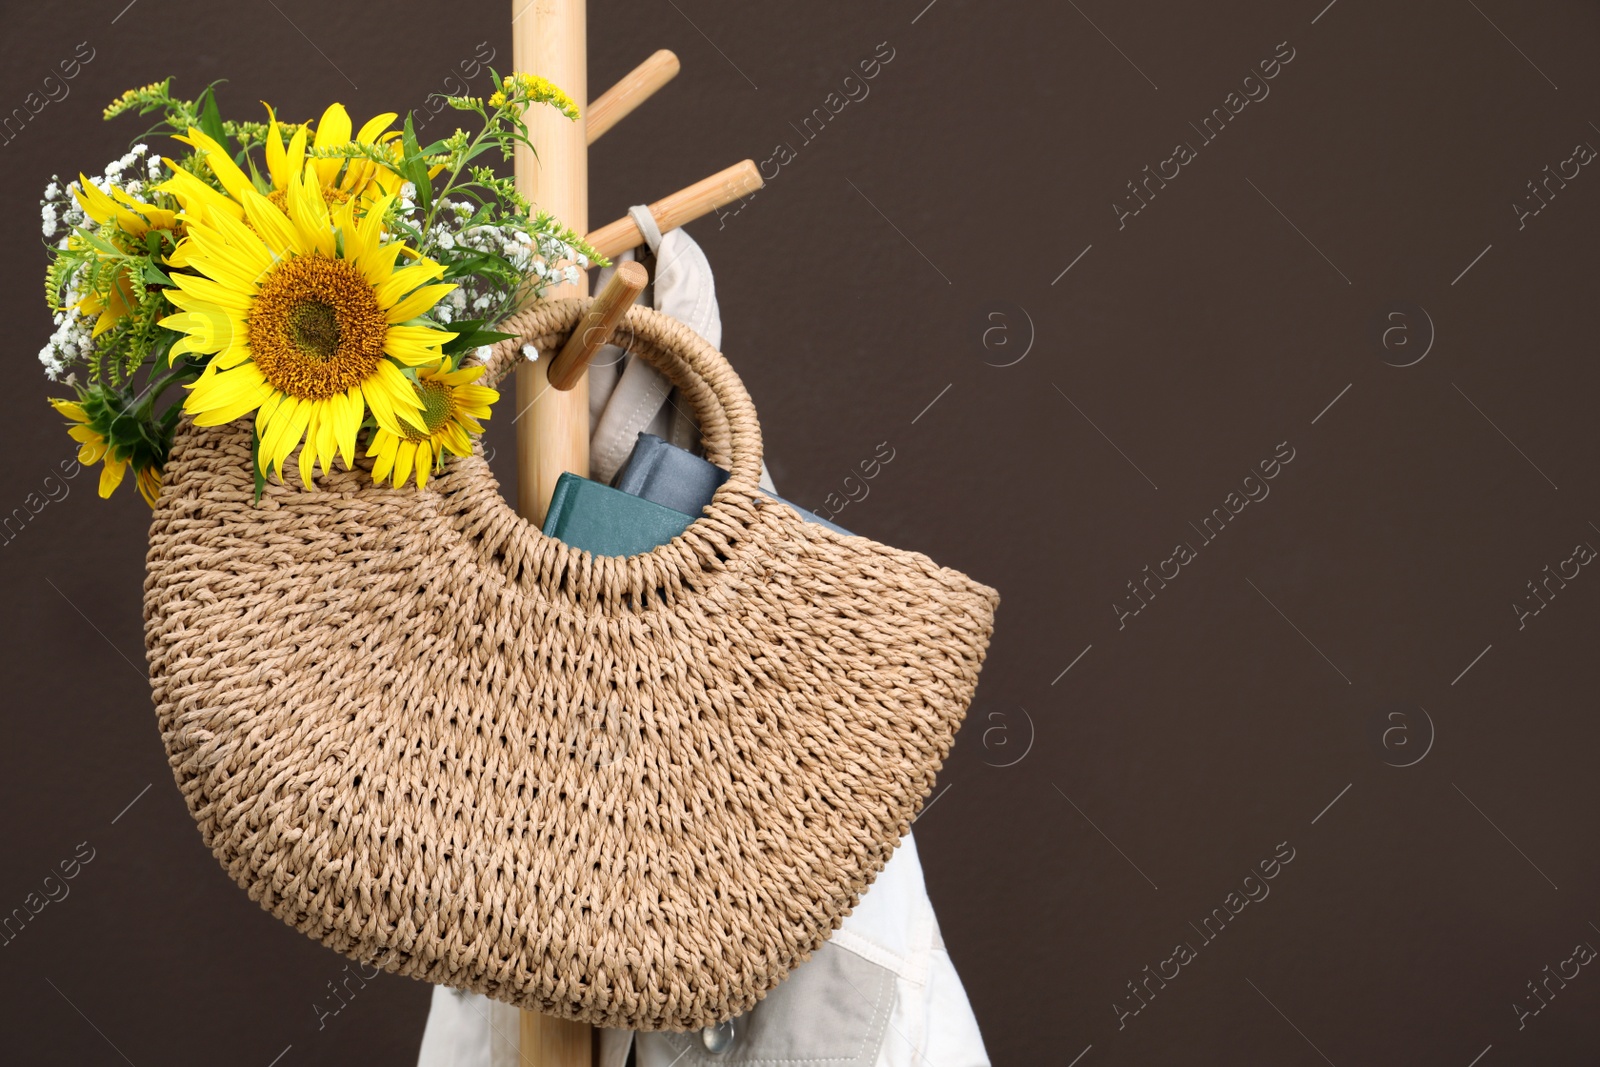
(520, 90)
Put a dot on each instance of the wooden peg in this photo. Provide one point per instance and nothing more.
(594, 332)
(683, 206)
(637, 86)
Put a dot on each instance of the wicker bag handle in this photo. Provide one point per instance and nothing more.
(726, 415)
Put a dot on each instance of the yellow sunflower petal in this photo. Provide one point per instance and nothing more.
(290, 424)
(392, 397)
(149, 482)
(402, 281)
(375, 126)
(462, 375)
(308, 454)
(111, 475)
(70, 408)
(377, 263)
(234, 180)
(222, 397)
(415, 345)
(453, 436)
(265, 412)
(211, 292)
(242, 243)
(424, 463)
(348, 412)
(383, 447)
(325, 432)
(155, 217)
(97, 205)
(277, 159)
(309, 213)
(405, 452)
(333, 129)
(273, 226)
(200, 201)
(418, 302)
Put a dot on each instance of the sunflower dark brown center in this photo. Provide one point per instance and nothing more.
(316, 328)
(436, 409)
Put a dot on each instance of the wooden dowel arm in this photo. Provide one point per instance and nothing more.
(594, 332)
(682, 207)
(637, 86)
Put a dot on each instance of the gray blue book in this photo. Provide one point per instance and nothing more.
(665, 474)
(658, 493)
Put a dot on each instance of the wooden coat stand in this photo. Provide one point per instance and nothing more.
(549, 38)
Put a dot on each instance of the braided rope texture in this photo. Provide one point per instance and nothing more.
(630, 792)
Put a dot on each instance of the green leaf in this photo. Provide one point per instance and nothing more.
(211, 117)
(156, 276)
(415, 166)
(100, 243)
(471, 334)
(262, 185)
(255, 461)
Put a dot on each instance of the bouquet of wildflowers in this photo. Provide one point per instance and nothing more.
(328, 280)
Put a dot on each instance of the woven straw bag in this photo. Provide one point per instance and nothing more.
(632, 792)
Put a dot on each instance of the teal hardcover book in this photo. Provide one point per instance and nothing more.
(607, 521)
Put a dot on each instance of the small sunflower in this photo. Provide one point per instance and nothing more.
(310, 323)
(451, 408)
(133, 218)
(94, 446)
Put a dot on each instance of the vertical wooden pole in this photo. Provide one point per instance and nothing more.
(548, 37)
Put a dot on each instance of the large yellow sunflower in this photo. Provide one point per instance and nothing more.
(451, 406)
(307, 316)
(338, 179)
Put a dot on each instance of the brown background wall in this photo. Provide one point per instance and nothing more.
(902, 280)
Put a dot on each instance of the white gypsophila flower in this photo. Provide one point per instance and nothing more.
(530, 353)
(408, 191)
(444, 313)
(483, 352)
(140, 149)
(73, 340)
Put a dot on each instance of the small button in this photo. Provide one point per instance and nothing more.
(719, 1038)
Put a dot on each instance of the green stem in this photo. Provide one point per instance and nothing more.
(156, 388)
(466, 153)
